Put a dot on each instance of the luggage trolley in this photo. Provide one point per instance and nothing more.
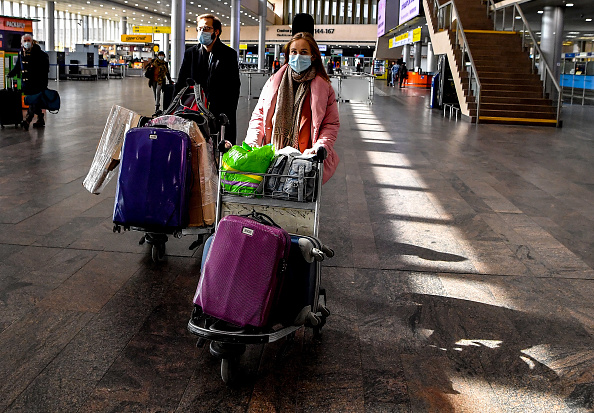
(158, 237)
(299, 218)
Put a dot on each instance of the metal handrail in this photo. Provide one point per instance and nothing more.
(439, 10)
(547, 72)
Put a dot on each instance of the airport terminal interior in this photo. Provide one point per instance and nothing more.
(462, 280)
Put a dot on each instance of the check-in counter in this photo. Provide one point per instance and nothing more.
(419, 80)
(577, 87)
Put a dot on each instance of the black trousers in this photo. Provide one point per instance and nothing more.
(32, 111)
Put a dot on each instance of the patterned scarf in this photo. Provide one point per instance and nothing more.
(288, 107)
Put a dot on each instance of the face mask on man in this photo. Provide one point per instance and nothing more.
(206, 38)
(299, 63)
(161, 57)
(27, 45)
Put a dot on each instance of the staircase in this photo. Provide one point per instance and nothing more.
(509, 92)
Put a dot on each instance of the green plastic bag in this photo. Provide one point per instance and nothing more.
(244, 158)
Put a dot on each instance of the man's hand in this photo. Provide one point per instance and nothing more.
(310, 151)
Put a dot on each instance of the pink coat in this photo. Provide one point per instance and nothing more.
(324, 125)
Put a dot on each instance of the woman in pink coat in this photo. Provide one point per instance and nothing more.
(297, 106)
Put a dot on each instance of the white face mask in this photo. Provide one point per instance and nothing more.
(27, 45)
(161, 57)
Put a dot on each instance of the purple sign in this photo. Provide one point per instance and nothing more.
(381, 18)
(408, 10)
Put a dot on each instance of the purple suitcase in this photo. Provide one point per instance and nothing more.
(152, 193)
(243, 269)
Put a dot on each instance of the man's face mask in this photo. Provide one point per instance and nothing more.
(299, 63)
(206, 38)
(27, 45)
(161, 57)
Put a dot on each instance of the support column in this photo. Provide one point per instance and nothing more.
(277, 52)
(124, 24)
(166, 45)
(418, 47)
(551, 42)
(235, 24)
(50, 44)
(430, 58)
(178, 35)
(262, 9)
(406, 54)
(85, 29)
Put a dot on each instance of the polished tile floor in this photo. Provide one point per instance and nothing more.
(463, 279)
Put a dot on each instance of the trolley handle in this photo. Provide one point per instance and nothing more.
(321, 155)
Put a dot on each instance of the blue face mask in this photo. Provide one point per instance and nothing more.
(299, 63)
(206, 38)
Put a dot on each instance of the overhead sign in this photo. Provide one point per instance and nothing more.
(243, 46)
(408, 10)
(16, 25)
(381, 18)
(151, 29)
(412, 36)
(322, 47)
(137, 38)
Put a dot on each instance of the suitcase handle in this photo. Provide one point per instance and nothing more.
(262, 218)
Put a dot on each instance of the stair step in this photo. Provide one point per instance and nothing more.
(510, 107)
(497, 70)
(504, 100)
(517, 114)
(529, 94)
(502, 87)
(506, 75)
(517, 121)
(498, 83)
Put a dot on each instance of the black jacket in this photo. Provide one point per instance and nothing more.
(219, 80)
(34, 67)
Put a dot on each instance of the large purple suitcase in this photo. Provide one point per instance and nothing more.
(152, 192)
(242, 272)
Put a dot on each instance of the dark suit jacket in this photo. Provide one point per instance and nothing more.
(219, 80)
(34, 67)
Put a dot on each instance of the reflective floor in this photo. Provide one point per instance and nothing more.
(463, 279)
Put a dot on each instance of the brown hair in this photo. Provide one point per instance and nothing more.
(315, 53)
(216, 23)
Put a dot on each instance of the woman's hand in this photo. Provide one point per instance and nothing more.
(310, 151)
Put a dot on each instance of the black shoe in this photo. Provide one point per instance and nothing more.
(39, 124)
(25, 125)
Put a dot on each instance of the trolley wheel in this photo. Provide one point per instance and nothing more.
(228, 370)
(157, 252)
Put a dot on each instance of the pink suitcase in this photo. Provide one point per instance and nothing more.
(244, 266)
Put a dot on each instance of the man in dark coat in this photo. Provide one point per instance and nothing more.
(33, 64)
(214, 66)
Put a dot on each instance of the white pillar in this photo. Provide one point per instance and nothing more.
(178, 35)
(430, 58)
(551, 44)
(235, 24)
(50, 43)
(166, 45)
(277, 52)
(406, 55)
(123, 25)
(418, 47)
(262, 9)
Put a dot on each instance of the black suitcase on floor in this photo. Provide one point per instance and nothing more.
(11, 107)
(168, 90)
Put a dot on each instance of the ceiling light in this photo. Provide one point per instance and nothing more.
(588, 20)
(574, 32)
(569, 4)
(540, 12)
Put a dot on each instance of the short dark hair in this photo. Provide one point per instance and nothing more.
(216, 23)
(161, 52)
(302, 22)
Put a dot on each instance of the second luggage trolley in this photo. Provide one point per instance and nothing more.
(301, 220)
(206, 125)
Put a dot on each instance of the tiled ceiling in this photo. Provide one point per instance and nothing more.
(578, 17)
(150, 12)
